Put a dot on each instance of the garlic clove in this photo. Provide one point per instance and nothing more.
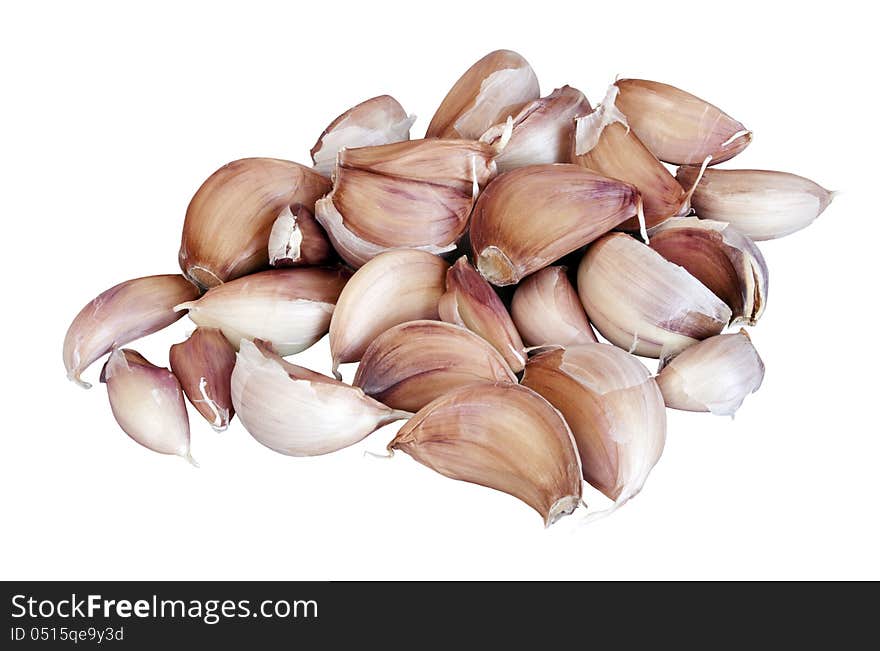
(532, 216)
(604, 143)
(298, 412)
(123, 313)
(471, 302)
(376, 121)
(546, 310)
(228, 221)
(714, 375)
(678, 127)
(203, 366)
(147, 402)
(296, 239)
(392, 288)
(413, 363)
(492, 89)
(724, 260)
(761, 204)
(416, 195)
(643, 303)
(542, 130)
(503, 436)
(614, 408)
(289, 307)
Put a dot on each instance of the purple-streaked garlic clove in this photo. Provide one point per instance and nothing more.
(203, 366)
(123, 313)
(547, 311)
(296, 239)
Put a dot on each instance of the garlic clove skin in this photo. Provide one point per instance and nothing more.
(147, 402)
(532, 216)
(642, 303)
(416, 195)
(296, 239)
(376, 121)
(228, 221)
(677, 127)
(471, 302)
(761, 204)
(546, 310)
(123, 313)
(289, 307)
(503, 436)
(392, 288)
(603, 142)
(492, 89)
(715, 375)
(542, 130)
(298, 412)
(203, 366)
(614, 408)
(724, 260)
(413, 363)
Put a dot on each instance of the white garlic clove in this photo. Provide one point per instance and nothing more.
(228, 221)
(413, 363)
(541, 132)
(289, 307)
(546, 310)
(416, 194)
(203, 366)
(471, 302)
(643, 303)
(614, 408)
(604, 143)
(123, 313)
(147, 402)
(392, 288)
(678, 127)
(532, 216)
(492, 89)
(298, 412)
(761, 204)
(376, 121)
(503, 436)
(715, 375)
(296, 239)
(723, 259)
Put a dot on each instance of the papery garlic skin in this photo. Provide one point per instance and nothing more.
(715, 375)
(413, 363)
(296, 239)
(603, 142)
(532, 216)
(147, 402)
(416, 194)
(492, 89)
(546, 310)
(761, 204)
(228, 221)
(289, 307)
(121, 314)
(542, 130)
(614, 408)
(298, 412)
(642, 303)
(376, 121)
(503, 436)
(723, 259)
(392, 288)
(677, 127)
(471, 302)
(203, 366)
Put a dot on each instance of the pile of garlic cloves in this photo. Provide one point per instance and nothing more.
(496, 281)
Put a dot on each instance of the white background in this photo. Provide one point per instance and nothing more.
(112, 116)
